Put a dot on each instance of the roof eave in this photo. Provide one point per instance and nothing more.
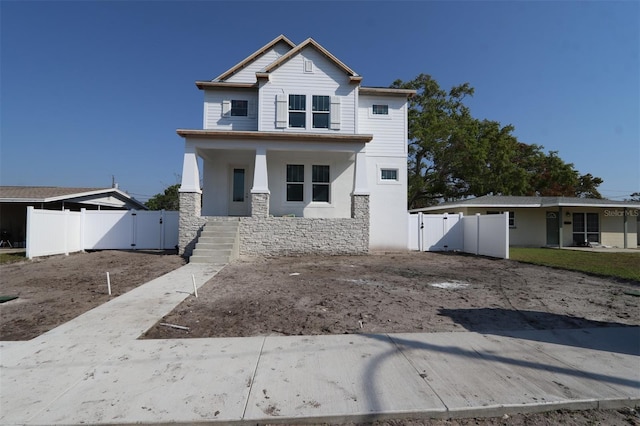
(204, 85)
(311, 42)
(280, 136)
(386, 91)
(246, 61)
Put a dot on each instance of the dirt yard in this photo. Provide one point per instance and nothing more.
(53, 290)
(393, 293)
(409, 292)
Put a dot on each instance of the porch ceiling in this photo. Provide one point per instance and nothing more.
(275, 136)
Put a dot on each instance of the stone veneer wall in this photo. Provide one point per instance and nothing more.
(191, 221)
(282, 236)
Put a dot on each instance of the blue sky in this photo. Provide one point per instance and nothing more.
(95, 89)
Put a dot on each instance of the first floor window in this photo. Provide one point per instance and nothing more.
(297, 110)
(320, 183)
(320, 109)
(389, 174)
(295, 182)
(239, 108)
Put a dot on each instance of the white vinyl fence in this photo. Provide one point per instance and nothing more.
(486, 235)
(62, 232)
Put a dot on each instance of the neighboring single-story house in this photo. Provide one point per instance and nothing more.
(15, 199)
(305, 158)
(557, 221)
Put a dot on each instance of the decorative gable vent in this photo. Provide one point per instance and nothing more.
(308, 65)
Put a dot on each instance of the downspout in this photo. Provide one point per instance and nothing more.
(560, 226)
(625, 227)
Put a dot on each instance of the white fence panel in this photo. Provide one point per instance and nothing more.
(49, 232)
(171, 222)
(486, 235)
(52, 232)
(415, 222)
(108, 229)
(74, 232)
(494, 235)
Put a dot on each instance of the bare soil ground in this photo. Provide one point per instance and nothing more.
(394, 293)
(407, 292)
(52, 290)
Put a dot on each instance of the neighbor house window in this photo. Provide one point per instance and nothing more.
(239, 108)
(320, 108)
(380, 110)
(512, 217)
(320, 183)
(297, 110)
(586, 228)
(389, 174)
(295, 182)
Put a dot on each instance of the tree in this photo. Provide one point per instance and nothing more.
(168, 200)
(453, 155)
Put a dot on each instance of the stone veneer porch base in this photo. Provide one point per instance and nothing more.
(262, 235)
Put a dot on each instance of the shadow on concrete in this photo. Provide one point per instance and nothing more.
(625, 340)
(515, 323)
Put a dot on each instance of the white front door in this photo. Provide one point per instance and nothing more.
(239, 191)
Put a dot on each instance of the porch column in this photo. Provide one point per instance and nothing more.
(190, 173)
(361, 186)
(260, 190)
(560, 227)
(190, 196)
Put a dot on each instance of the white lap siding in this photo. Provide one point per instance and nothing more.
(326, 80)
(213, 116)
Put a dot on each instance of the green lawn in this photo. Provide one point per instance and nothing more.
(11, 257)
(619, 265)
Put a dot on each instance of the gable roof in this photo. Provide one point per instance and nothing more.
(506, 201)
(315, 45)
(255, 55)
(47, 194)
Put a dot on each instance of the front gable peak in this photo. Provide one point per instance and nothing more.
(281, 39)
(309, 43)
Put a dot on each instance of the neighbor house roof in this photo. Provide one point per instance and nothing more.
(506, 201)
(47, 194)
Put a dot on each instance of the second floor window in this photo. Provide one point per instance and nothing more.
(320, 109)
(380, 109)
(297, 110)
(239, 108)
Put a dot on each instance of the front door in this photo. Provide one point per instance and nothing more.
(553, 229)
(239, 192)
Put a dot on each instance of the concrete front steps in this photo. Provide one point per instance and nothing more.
(218, 242)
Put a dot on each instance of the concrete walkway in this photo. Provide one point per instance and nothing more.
(93, 370)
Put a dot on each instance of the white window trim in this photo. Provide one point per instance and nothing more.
(379, 116)
(282, 112)
(226, 109)
(307, 197)
(381, 167)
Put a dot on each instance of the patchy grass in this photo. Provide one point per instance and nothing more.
(12, 257)
(618, 265)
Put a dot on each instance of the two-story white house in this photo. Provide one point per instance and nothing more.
(306, 159)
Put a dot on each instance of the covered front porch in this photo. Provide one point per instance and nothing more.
(293, 193)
